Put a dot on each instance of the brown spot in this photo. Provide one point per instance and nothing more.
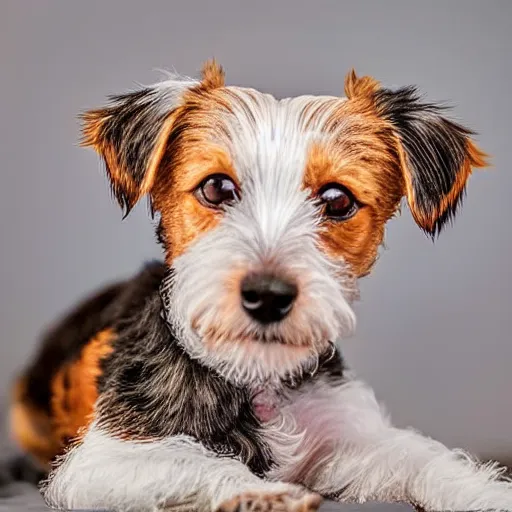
(183, 218)
(74, 388)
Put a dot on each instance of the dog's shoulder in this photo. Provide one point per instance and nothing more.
(55, 395)
(151, 388)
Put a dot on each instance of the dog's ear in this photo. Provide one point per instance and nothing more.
(437, 155)
(131, 132)
(130, 135)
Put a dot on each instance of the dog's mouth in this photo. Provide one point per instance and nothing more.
(264, 339)
(213, 339)
(260, 354)
(236, 331)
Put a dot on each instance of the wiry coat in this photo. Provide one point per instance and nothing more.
(167, 390)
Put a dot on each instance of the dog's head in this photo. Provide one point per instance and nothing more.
(270, 210)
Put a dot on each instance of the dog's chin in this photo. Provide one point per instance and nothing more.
(257, 358)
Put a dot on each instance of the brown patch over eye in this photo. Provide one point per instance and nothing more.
(358, 182)
(190, 197)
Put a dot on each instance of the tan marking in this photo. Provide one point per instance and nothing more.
(73, 401)
(351, 160)
(359, 86)
(192, 158)
(156, 158)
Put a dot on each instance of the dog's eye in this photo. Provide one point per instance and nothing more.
(217, 190)
(339, 203)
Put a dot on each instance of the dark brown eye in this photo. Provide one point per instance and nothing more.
(217, 190)
(339, 203)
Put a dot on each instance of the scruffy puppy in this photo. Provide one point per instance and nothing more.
(212, 382)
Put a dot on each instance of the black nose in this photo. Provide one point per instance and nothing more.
(267, 298)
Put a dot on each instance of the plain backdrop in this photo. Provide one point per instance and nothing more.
(434, 320)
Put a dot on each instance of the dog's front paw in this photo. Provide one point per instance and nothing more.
(271, 502)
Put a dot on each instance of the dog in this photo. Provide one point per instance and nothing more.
(214, 380)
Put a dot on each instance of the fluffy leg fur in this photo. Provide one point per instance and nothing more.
(374, 460)
(175, 473)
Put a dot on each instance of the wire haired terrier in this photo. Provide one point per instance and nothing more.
(213, 381)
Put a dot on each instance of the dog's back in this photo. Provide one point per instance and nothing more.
(54, 397)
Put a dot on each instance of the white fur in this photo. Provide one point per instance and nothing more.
(345, 442)
(111, 474)
(332, 440)
(170, 92)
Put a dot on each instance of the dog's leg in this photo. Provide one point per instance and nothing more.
(372, 460)
(173, 474)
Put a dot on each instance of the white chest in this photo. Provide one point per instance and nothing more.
(301, 428)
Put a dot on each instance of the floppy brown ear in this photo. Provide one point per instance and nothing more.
(131, 132)
(437, 155)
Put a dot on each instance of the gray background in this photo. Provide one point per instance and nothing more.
(434, 320)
